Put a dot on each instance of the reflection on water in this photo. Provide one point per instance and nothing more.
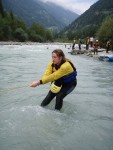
(85, 121)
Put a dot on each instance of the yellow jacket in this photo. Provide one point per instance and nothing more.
(49, 75)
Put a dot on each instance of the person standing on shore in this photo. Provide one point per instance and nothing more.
(96, 46)
(79, 44)
(62, 74)
(87, 43)
(108, 45)
(91, 41)
(73, 46)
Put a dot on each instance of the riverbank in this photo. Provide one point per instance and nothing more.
(17, 43)
(30, 43)
(76, 51)
(90, 52)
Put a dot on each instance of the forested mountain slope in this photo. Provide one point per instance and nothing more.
(48, 14)
(90, 21)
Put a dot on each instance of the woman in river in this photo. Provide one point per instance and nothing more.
(62, 74)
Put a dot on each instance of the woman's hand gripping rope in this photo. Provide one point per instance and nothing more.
(35, 83)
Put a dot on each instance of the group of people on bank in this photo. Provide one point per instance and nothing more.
(96, 45)
(90, 42)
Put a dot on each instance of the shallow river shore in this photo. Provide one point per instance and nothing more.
(30, 43)
(76, 51)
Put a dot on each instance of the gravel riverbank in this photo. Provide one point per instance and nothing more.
(90, 52)
(76, 51)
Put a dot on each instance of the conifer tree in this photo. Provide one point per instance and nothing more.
(1, 9)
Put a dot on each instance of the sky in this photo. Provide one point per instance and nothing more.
(77, 6)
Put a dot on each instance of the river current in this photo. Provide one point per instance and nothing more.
(86, 119)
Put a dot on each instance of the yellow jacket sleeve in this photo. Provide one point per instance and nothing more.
(48, 70)
(48, 76)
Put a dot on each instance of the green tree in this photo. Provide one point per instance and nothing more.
(39, 29)
(12, 16)
(1, 9)
(12, 28)
(5, 29)
(20, 35)
(49, 36)
(37, 33)
(105, 31)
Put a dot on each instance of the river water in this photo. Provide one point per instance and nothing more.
(86, 119)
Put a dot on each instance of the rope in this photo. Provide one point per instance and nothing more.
(15, 88)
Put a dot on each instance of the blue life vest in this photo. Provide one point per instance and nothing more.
(69, 78)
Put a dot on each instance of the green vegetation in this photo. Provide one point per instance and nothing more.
(105, 32)
(96, 22)
(91, 23)
(14, 29)
(48, 14)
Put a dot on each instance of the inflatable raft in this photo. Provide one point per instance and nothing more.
(106, 57)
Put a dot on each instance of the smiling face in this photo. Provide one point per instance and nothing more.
(56, 59)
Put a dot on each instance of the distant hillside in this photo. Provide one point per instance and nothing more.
(60, 14)
(89, 21)
(48, 14)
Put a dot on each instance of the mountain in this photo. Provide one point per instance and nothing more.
(48, 14)
(61, 14)
(90, 21)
